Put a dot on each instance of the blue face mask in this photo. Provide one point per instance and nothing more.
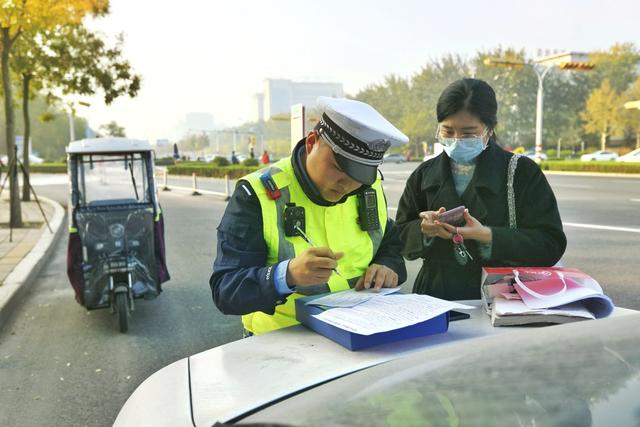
(463, 150)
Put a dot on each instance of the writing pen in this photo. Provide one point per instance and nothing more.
(308, 240)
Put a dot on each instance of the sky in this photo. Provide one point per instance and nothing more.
(212, 56)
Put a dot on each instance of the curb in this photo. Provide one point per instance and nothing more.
(18, 282)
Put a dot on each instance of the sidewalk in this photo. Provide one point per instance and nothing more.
(22, 258)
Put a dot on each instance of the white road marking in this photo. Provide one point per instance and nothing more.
(602, 227)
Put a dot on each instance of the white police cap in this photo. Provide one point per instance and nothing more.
(358, 135)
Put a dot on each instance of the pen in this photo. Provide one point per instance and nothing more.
(308, 240)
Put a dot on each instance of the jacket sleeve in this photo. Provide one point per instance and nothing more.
(389, 252)
(538, 239)
(408, 221)
(241, 282)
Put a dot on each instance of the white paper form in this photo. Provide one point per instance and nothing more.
(350, 298)
(388, 313)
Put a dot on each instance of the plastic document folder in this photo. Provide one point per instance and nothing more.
(354, 341)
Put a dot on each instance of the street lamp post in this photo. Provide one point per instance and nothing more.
(541, 72)
(71, 112)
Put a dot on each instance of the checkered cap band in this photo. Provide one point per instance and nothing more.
(349, 146)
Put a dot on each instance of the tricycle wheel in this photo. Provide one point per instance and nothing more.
(122, 307)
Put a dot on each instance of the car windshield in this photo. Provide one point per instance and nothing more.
(112, 179)
(574, 374)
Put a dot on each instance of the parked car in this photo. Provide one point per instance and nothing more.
(33, 159)
(394, 158)
(599, 155)
(633, 156)
(581, 373)
(532, 155)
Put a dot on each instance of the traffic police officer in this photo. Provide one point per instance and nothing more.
(311, 223)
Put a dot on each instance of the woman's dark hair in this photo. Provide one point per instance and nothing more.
(471, 95)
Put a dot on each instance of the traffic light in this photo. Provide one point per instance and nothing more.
(578, 66)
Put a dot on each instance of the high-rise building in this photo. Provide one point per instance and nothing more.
(280, 94)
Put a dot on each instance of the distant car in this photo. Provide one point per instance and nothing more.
(240, 156)
(394, 158)
(33, 159)
(633, 156)
(532, 155)
(599, 155)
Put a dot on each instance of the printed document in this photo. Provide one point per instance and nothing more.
(388, 313)
(350, 298)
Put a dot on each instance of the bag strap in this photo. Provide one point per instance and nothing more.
(511, 199)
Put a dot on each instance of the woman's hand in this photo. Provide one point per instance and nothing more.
(431, 226)
(472, 230)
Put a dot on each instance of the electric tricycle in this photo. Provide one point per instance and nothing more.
(116, 249)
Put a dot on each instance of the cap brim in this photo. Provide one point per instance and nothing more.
(362, 173)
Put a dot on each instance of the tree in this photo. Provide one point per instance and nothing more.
(603, 112)
(70, 59)
(113, 129)
(194, 142)
(632, 116)
(16, 18)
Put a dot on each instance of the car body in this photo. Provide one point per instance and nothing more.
(394, 158)
(474, 373)
(633, 156)
(33, 159)
(600, 155)
(532, 155)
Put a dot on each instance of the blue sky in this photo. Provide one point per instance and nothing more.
(212, 56)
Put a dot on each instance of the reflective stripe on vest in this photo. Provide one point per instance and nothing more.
(335, 227)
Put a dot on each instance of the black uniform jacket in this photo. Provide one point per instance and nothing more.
(538, 239)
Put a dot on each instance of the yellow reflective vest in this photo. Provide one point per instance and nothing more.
(335, 227)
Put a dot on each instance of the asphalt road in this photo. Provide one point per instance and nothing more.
(62, 365)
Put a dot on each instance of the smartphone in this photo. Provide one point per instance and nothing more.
(457, 315)
(453, 216)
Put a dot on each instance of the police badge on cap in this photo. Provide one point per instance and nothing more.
(358, 135)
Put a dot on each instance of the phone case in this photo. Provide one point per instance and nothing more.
(453, 216)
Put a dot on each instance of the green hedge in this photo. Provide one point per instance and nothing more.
(48, 168)
(210, 170)
(595, 166)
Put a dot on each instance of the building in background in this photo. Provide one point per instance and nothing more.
(280, 94)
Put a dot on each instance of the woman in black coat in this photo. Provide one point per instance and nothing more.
(473, 171)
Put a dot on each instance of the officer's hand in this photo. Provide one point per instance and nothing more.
(312, 267)
(431, 226)
(377, 276)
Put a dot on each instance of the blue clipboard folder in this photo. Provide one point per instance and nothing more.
(353, 341)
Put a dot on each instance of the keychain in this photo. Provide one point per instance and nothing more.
(460, 251)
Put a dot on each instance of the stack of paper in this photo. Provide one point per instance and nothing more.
(384, 313)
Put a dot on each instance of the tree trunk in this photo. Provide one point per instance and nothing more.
(26, 79)
(15, 214)
(603, 141)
